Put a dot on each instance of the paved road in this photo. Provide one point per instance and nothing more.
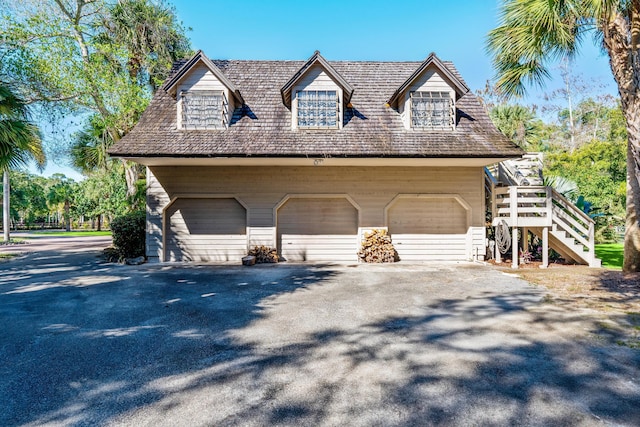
(34, 242)
(88, 343)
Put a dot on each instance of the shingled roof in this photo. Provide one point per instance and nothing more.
(262, 126)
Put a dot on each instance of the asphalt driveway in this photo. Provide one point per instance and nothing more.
(83, 342)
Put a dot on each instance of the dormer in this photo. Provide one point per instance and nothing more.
(205, 96)
(427, 99)
(316, 95)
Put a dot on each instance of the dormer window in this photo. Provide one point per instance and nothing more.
(202, 110)
(317, 108)
(431, 110)
(316, 95)
(427, 99)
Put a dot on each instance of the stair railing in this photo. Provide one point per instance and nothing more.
(574, 222)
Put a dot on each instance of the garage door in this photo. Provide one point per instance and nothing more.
(428, 229)
(206, 230)
(318, 229)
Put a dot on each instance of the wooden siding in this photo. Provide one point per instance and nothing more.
(317, 229)
(205, 230)
(430, 81)
(157, 199)
(261, 236)
(478, 247)
(200, 78)
(262, 188)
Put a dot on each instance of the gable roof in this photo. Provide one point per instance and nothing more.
(262, 127)
(198, 57)
(432, 61)
(316, 58)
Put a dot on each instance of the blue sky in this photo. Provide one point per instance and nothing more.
(359, 30)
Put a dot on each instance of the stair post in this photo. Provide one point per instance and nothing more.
(514, 247)
(513, 204)
(545, 230)
(592, 241)
(545, 247)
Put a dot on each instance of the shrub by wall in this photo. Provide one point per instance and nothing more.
(129, 234)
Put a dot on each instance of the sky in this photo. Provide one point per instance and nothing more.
(355, 30)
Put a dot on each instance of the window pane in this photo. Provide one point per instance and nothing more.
(317, 108)
(202, 110)
(430, 109)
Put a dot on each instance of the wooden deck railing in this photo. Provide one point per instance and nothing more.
(523, 206)
(540, 206)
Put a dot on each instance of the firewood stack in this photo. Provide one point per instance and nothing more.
(377, 247)
(264, 254)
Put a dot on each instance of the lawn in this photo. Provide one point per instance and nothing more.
(72, 233)
(12, 241)
(611, 255)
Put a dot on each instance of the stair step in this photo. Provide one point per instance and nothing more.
(527, 172)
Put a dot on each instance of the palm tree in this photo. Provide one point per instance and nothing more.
(19, 143)
(515, 121)
(152, 34)
(89, 147)
(61, 192)
(532, 34)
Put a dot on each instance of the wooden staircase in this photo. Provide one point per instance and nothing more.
(541, 210)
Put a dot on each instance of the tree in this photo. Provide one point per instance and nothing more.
(153, 38)
(19, 143)
(517, 122)
(99, 58)
(103, 193)
(61, 190)
(27, 200)
(598, 169)
(89, 147)
(532, 34)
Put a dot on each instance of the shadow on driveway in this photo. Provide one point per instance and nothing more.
(84, 342)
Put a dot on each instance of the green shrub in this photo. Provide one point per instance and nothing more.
(129, 234)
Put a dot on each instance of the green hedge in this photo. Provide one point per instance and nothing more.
(129, 234)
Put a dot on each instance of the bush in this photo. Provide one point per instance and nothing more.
(129, 234)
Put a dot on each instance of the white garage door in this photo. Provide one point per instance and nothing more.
(428, 229)
(318, 229)
(206, 230)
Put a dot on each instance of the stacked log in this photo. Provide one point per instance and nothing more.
(377, 248)
(264, 254)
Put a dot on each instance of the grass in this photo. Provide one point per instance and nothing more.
(6, 256)
(13, 241)
(611, 255)
(73, 233)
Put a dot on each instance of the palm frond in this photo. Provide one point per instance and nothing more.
(531, 35)
(20, 140)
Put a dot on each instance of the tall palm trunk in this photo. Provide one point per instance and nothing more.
(5, 205)
(632, 232)
(624, 58)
